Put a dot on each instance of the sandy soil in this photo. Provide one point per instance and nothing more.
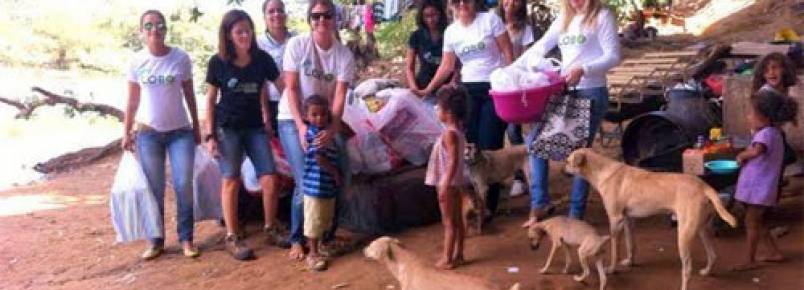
(72, 247)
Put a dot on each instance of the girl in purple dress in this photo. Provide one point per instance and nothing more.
(762, 161)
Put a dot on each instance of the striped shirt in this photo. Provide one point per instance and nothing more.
(317, 182)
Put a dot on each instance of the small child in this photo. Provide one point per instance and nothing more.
(758, 183)
(321, 180)
(774, 71)
(445, 171)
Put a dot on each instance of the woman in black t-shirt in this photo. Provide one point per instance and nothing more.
(240, 121)
(425, 44)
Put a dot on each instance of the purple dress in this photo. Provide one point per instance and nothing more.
(759, 179)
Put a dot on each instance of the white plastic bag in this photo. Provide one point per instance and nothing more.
(372, 86)
(406, 126)
(514, 78)
(134, 209)
(249, 175)
(206, 187)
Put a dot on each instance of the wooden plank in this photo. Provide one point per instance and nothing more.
(756, 48)
(651, 61)
(687, 53)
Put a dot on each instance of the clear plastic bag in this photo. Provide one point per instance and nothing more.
(206, 187)
(134, 209)
(406, 126)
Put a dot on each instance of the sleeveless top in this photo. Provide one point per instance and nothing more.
(437, 166)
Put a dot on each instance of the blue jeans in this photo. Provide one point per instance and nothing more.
(289, 138)
(540, 197)
(179, 146)
(254, 142)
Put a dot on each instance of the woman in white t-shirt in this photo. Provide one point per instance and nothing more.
(274, 41)
(160, 80)
(314, 63)
(586, 34)
(514, 14)
(479, 40)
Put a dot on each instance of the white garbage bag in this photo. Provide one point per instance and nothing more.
(134, 209)
(207, 180)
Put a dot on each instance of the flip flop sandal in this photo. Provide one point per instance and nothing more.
(317, 264)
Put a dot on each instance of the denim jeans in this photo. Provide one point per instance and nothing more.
(289, 138)
(485, 129)
(233, 143)
(179, 146)
(540, 197)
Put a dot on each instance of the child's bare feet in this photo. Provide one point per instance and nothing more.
(775, 258)
(296, 252)
(745, 267)
(444, 264)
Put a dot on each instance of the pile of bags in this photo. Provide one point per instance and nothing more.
(400, 130)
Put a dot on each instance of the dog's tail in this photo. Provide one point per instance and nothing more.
(724, 214)
(515, 287)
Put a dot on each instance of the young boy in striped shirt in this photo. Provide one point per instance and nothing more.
(320, 181)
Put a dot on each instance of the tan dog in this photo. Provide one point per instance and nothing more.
(489, 167)
(565, 232)
(632, 192)
(414, 274)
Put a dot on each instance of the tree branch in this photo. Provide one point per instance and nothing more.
(103, 109)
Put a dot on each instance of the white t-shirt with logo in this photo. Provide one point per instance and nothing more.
(276, 50)
(161, 97)
(520, 40)
(595, 49)
(337, 64)
(475, 45)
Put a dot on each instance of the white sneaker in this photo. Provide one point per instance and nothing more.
(518, 188)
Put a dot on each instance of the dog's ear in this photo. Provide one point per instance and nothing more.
(577, 158)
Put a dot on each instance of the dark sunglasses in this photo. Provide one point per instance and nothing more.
(276, 11)
(320, 15)
(458, 2)
(148, 26)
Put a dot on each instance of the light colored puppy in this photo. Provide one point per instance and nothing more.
(628, 192)
(414, 274)
(565, 232)
(488, 167)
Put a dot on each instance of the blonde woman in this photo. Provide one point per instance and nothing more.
(586, 34)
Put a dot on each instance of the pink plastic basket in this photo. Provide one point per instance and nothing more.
(526, 105)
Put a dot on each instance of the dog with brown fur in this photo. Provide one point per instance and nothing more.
(414, 274)
(486, 167)
(629, 192)
(565, 232)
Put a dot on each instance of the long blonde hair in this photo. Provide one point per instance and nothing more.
(592, 9)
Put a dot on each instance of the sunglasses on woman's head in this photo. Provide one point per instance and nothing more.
(321, 15)
(148, 26)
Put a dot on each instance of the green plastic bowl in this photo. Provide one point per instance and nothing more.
(722, 166)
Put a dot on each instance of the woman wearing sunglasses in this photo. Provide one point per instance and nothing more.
(586, 34)
(479, 40)
(240, 123)
(314, 63)
(274, 41)
(160, 80)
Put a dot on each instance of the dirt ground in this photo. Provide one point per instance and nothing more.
(71, 246)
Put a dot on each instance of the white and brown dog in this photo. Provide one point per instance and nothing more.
(486, 167)
(414, 274)
(565, 232)
(629, 192)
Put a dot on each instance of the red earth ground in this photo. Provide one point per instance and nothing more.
(72, 247)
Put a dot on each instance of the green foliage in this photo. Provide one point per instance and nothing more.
(392, 37)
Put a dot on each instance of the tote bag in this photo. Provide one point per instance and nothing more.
(564, 127)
